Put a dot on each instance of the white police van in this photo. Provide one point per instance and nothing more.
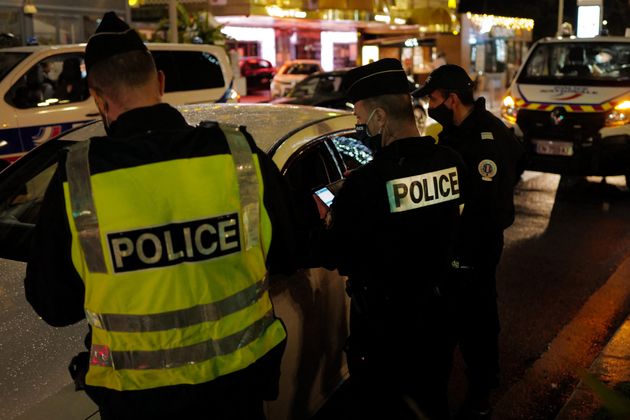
(570, 104)
(43, 89)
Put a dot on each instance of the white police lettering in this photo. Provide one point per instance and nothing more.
(160, 246)
(423, 190)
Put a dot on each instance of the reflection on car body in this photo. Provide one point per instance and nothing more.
(313, 147)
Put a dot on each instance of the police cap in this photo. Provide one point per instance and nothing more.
(382, 77)
(448, 77)
(112, 37)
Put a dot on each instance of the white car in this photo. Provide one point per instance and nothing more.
(313, 147)
(290, 73)
(43, 89)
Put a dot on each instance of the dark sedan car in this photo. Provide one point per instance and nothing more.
(319, 89)
(324, 89)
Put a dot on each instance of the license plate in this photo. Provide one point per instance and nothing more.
(555, 148)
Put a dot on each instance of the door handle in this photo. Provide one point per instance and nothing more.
(93, 114)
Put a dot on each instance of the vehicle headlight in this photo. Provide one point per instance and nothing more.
(509, 110)
(619, 115)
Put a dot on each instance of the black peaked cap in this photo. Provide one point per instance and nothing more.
(112, 37)
(382, 77)
(448, 77)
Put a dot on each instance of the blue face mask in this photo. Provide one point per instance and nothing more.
(372, 141)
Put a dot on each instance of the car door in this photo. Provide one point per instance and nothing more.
(312, 303)
(51, 96)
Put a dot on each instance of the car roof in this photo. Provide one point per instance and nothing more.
(301, 61)
(616, 39)
(150, 45)
(266, 122)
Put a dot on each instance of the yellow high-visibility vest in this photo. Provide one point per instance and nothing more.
(172, 255)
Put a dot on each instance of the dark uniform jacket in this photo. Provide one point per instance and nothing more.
(494, 160)
(399, 255)
(141, 136)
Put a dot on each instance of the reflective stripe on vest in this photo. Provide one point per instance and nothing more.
(180, 356)
(83, 210)
(179, 319)
(247, 183)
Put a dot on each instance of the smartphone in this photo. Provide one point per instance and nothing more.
(325, 195)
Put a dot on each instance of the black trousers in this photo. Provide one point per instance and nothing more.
(477, 319)
(400, 362)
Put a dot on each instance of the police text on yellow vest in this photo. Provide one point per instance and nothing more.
(423, 190)
(174, 243)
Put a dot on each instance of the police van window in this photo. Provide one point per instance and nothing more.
(352, 151)
(189, 70)
(54, 81)
(8, 60)
(578, 63)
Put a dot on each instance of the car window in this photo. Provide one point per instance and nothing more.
(24, 204)
(328, 84)
(8, 60)
(352, 151)
(54, 81)
(304, 88)
(302, 68)
(310, 169)
(189, 70)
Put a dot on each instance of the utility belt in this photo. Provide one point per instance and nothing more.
(357, 290)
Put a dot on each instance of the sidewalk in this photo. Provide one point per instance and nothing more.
(612, 367)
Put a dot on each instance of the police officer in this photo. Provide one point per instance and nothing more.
(394, 221)
(493, 157)
(160, 235)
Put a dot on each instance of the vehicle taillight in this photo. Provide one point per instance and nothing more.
(509, 110)
(619, 115)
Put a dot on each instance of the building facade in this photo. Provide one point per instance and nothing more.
(54, 21)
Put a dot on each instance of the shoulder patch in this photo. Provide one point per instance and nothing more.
(487, 135)
(488, 169)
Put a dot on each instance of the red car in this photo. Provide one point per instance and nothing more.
(257, 71)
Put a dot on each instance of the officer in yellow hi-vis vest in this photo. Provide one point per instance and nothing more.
(160, 234)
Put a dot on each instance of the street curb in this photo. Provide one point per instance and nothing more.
(612, 366)
(572, 350)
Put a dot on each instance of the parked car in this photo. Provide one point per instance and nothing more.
(313, 147)
(318, 89)
(290, 73)
(43, 89)
(570, 105)
(324, 89)
(257, 71)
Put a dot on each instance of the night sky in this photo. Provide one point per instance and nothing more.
(545, 13)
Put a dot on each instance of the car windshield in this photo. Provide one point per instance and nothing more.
(575, 63)
(8, 60)
(305, 88)
(302, 68)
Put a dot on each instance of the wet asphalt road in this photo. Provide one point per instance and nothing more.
(570, 235)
